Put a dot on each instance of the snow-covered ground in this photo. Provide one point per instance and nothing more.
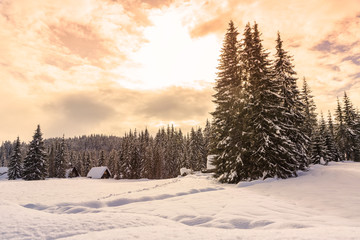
(323, 203)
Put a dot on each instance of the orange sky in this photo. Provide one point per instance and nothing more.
(92, 66)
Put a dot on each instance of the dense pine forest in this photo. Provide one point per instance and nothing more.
(263, 126)
(135, 155)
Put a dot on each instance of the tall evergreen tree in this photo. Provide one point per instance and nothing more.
(86, 163)
(309, 125)
(318, 151)
(291, 116)
(51, 161)
(60, 159)
(269, 150)
(321, 153)
(101, 160)
(259, 118)
(226, 82)
(207, 136)
(351, 135)
(330, 141)
(112, 161)
(135, 158)
(148, 155)
(340, 130)
(78, 164)
(15, 164)
(35, 161)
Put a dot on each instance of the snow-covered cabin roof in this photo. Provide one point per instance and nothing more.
(97, 172)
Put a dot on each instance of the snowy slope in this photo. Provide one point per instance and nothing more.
(320, 204)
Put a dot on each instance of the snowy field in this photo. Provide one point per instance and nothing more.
(323, 203)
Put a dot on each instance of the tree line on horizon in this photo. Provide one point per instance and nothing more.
(133, 156)
(263, 125)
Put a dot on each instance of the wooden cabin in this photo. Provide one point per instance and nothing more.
(72, 172)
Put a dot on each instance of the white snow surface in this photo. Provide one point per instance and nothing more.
(322, 203)
(97, 172)
(3, 173)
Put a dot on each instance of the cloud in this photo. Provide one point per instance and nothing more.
(176, 103)
(81, 40)
(216, 25)
(76, 113)
(112, 109)
(327, 46)
(355, 59)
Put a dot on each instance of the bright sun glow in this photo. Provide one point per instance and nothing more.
(171, 57)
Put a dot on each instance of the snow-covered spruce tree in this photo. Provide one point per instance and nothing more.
(112, 161)
(181, 148)
(330, 124)
(35, 161)
(119, 163)
(238, 165)
(226, 82)
(135, 158)
(15, 164)
(309, 125)
(72, 160)
(101, 160)
(330, 141)
(197, 150)
(340, 130)
(159, 155)
(147, 145)
(207, 136)
(194, 150)
(78, 164)
(86, 162)
(203, 149)
(320, 153)
(130, 164)
(185, 158)
(60, 159)
(351, 134)
(291, 115)
(271, 154)
(171, 164)
(142, 148)
(51, 161)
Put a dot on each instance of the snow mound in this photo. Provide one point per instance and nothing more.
(185, 171)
